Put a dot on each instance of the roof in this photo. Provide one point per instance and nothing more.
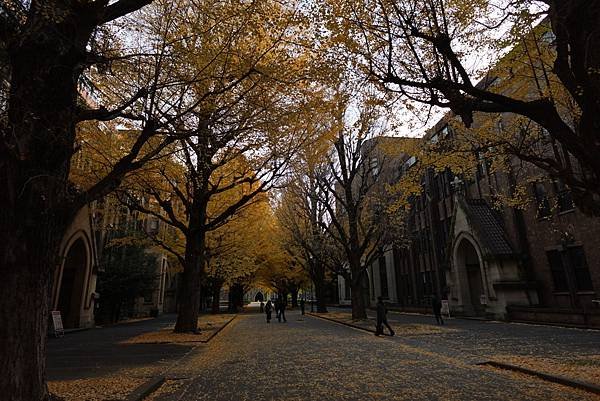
(488, 226)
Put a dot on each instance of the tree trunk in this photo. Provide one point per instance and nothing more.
(29, 242)
(236, 297)
(318, 277)
(216, 293)
(24, 315)
(35, 152)
(359, 310)
(359, 293)
(189, 305)
(320, 294)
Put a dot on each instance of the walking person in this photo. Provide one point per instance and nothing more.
(302, 304)
(278, 309)
(268, 310)
(282, 310)
(262, 306)
(436, 304)
(382, 318)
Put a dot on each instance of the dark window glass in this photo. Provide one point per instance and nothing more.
(583, 280)
(564, 198)
(541, 199)
(557, 269)
(426, 282)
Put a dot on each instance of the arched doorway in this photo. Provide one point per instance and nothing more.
(72, 284)
(469, 263)
(259, 297)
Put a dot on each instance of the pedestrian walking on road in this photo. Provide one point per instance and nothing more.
(302, 304)
(262, 306)
(268, 310)
(436, 304)
(382, 318)
(277, 309)
(282, 305)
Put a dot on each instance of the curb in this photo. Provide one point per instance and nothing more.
(340, 322)
(145, 389)
(77, 330)
(218, 331)
(592, 388)
(190, 341)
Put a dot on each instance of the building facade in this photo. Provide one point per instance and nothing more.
(537, 263)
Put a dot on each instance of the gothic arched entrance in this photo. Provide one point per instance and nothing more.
(259, 297)
(469, 264)
(73, 284)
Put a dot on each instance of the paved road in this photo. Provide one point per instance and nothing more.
(478, 340)
(313, 359)
(98, 351)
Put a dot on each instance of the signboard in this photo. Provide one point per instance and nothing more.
(445, 307)
(57, 324)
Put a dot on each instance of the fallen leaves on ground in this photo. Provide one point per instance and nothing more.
(167, 388)
(96, 389)
(208, 325)
(530, 386)
(581, 368)
(320, 360)
(400, 329)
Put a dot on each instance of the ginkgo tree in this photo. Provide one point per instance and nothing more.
(353, 191)
(279, 269)
(302, 218)
(250, 95)
(537, 60)
(51, 52)
(234, 250)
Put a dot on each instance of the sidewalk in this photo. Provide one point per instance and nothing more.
(97, 351)
(121, 362)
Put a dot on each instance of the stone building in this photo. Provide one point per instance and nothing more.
(111, 217)
(540, 263)
(74, 284)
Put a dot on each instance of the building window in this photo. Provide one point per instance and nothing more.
(427, 286)
(383, 277)
(570, 262)
(541, 200)
(559, 276)
(482, 166)
(374, 165)
(583, 280)
(564, 198)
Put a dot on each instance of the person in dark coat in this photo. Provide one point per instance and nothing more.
(262, 306)
(282, 310)
(436, 304)
(382, 318)
(278, 309)
(268, 310)
(302, 304)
